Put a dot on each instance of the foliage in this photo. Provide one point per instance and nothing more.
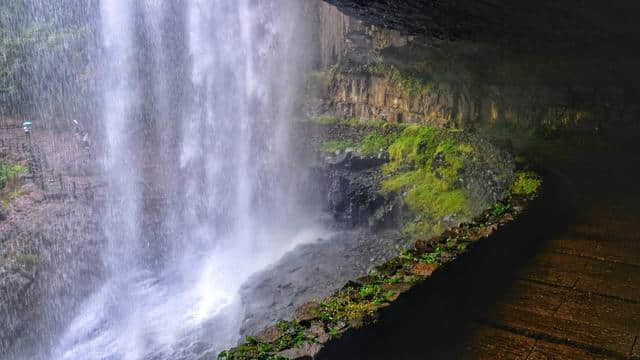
(9, 172)
(527, 183)
(374, 143)
(35, 40)
(499, 209)
(9, 184)
(293, 336)
(424, 165)
(415, 145)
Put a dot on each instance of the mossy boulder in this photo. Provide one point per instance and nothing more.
(428, 179)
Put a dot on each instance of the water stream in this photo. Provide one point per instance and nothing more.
(196, 97)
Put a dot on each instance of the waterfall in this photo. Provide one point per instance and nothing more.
(196, 100)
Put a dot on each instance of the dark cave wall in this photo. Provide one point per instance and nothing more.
(369, 71)
(565, 24)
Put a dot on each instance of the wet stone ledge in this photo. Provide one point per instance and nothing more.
(319, 327)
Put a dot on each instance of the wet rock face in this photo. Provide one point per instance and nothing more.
(352, 188)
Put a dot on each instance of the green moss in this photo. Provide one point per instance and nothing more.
(413, 146)
(527, 183)
(412, 82)
(428, 198)
(293, 336)
(351, 304)
(374, 143)
(424, 167)
(377, 140)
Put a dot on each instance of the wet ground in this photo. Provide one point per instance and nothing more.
(565, 285)
(312, 272)
(578, 296)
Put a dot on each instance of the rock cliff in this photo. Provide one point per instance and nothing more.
(403, 75)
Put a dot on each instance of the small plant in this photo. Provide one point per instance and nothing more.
(9, 182)
(434, 257)
(390, 294)
(9, 172)
(411, 279)
(368, 291)
(451, 242)
(527, 183)
(499, 209)
(393, 279)
(334, 333)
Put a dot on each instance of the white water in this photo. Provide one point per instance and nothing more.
(202, 131)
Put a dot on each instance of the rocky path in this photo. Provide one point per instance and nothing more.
(578, 297)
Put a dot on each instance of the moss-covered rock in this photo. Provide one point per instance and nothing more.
(443, 177)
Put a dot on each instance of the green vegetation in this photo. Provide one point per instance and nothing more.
(9, 172)
(499, 209)
(9, 182)
(424, 165)
(374, 143)
(433, 257)
(292, 336)
(35, 40)
(527, 183)
(334, 333)
(349, 305)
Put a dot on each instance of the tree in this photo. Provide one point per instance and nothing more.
(40, 48)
